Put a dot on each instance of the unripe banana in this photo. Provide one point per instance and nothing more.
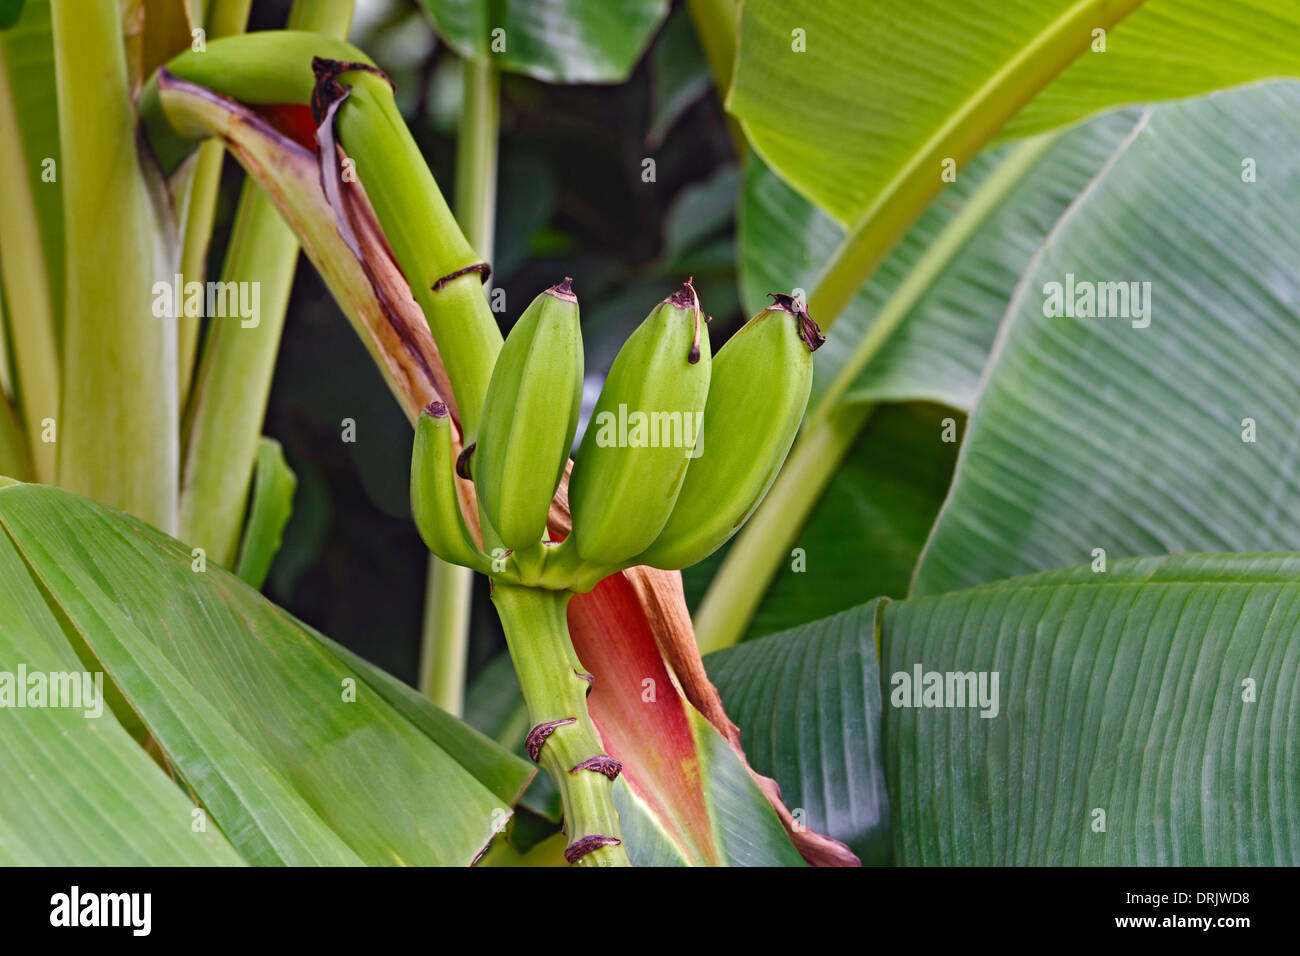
(433, 492)
(757, 396)
(636, 449)
(529, 418)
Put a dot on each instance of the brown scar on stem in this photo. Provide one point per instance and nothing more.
(601, 763)
(809, 330)
(462, 460)
(537, 736)
(482, 268)
(436, 409)
(589, 678)
(580, 848)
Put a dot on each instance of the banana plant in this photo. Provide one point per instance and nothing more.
(284, 104)
(1061, 624)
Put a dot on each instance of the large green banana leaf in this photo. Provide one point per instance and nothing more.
(807, 702)
(1001, 207)
(77, 789)
(560, 41)
(1139, 717)
(883, 92)
(1144, 716)
(296, 755)
(1113, 435)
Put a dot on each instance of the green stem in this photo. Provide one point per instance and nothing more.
(716, 27)
(449, 588)
(26, 288)
(224, 418)
(765, 542)
(738, 588)
(233, 383)
(225, 18)
(14, 460)
(476, 156)
(118, 431)
(34, 341)
(537, 633)
(445, 639)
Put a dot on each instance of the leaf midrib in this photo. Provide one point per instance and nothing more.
(970, 126)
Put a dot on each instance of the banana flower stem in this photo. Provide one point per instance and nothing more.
(563, 739)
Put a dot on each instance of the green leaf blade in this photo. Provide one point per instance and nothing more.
(263, 721)
(78, 790)
(852, 120)
(557, 41)
(1154, 694)
(807, 702)
(1063, 455)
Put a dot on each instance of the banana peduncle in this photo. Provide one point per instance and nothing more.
(563, 739)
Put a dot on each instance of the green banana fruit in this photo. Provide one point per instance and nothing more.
(636, 450)
(757, 395)
(530, 415)
(433, 492)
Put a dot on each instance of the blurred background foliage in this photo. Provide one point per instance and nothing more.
(572, 201)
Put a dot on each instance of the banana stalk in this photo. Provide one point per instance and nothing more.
(376, 298)
(225, 17)
(445, 274)
(563, 740)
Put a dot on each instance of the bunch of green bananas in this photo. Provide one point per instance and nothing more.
(681, 448)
